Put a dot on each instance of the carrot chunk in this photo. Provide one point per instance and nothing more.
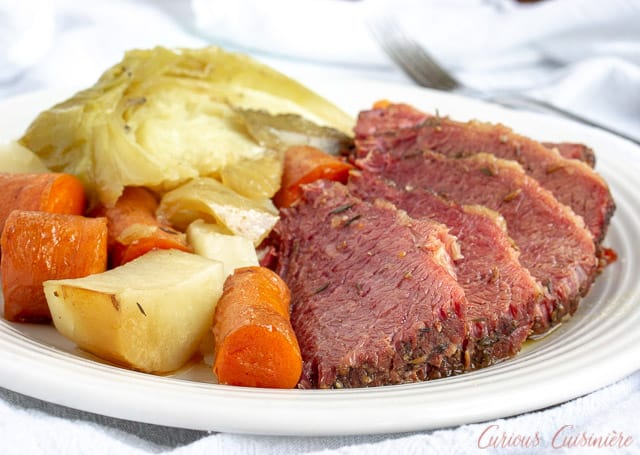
(47, 192)
(255, 345)
(39, 246)
(304, 164)
(381, 104)
(134, 229)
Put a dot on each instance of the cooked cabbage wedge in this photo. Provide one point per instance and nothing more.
(208, 199)
(255, 178)
(161, 117)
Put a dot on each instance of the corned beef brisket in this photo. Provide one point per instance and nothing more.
(450, 245)
(502, 295)
(573, 151)
(554, 244)
(373, 292)
(400, 129)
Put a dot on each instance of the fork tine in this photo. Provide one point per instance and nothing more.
(411, 57)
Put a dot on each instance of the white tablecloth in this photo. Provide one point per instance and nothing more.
(583, 55)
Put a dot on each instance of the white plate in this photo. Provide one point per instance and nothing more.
(598, 346)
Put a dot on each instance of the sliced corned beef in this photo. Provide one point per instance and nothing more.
(554, 244)
(501, 293)
(571, 181)
(374, 296)
(573, 151)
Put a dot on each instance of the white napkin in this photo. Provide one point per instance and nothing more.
(325, 30)
(26, 30)
(71, 43)
(462, 33)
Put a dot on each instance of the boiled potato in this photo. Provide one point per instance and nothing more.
(17, 158)
(149, 314)
(210, 241)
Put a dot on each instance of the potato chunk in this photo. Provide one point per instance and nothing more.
(210, 241)
(14, 157)
(149, 314)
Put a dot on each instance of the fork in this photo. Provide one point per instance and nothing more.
(424, 70)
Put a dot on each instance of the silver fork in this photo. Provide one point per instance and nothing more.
(423, 69)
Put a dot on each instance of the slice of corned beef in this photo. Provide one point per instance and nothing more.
(388, 118)
(554, 244)
(572, 182)
(501, 293)
(374, 295)
(573, 151)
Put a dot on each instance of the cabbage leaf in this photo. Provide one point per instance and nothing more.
(162, 117)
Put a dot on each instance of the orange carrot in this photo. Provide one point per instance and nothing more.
(305, 164)
(134, 228)
(255, 345)
(382, 104)
(47, 192)
(39, 246)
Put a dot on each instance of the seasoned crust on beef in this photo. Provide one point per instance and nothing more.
(501, 293)
(554, 245)
(571, 181)
(374, 298)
